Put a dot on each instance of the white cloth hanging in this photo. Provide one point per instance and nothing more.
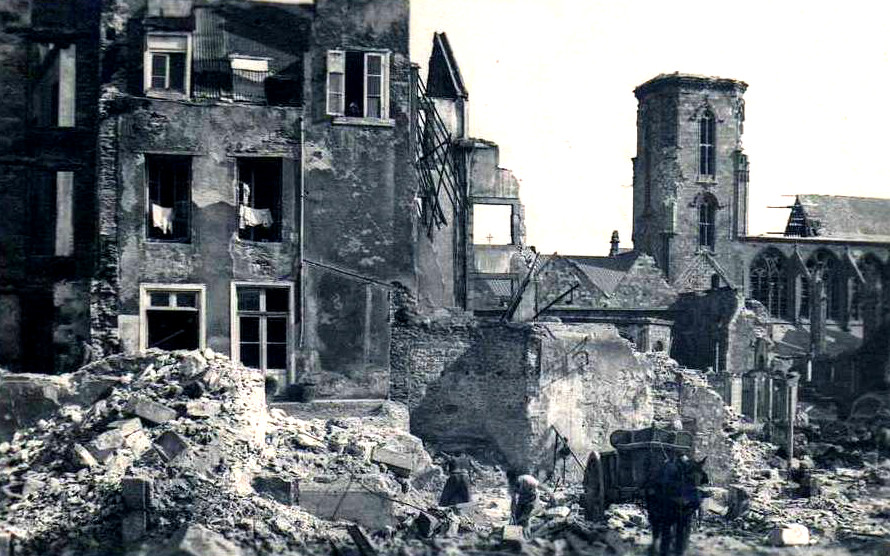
(251, 217)
(162, 218)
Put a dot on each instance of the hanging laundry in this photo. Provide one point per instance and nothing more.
(162, 218)
(251, 217)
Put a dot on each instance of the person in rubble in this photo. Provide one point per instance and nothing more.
(524, 500)
(457, 487)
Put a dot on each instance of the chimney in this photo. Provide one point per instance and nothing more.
(614, 250)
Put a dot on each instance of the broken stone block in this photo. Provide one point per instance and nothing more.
(400, 464)
(792, 535)
(152, 412)
(82, 457)
(136, 493)
(558, 511)
(196, 540)
(341, 501)
(170, 445)
(426, 524)
(512, 535)
(104, 445)
(133, 526)
(127, 426)
(303, 440)
(203, 408)
(138, 442)
(283, 490)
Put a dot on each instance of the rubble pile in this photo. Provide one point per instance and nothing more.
(180, 448)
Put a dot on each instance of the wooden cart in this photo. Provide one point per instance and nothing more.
(620, 475)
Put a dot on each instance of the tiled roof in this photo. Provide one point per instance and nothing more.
(606, 273)
(842, 217)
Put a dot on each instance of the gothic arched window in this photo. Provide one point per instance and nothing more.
(707, 213)
(768, 282)
(824, 267)
(707, 144)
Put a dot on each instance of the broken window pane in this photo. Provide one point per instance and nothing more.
(259, 192)
(277, 300)
(169, 195)
(177, 71)
(276, 329)
(250, 329)
(250, 355)
(172, 330)
(277, 356)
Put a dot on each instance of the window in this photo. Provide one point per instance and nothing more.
(167, 65)
(259, 199)
(768, 282)
(492, 224)
(707, 210)
(825, 270)
(249, 78)
(358, 84)
(262, 324)
(51, 198)
(55, 88)
(804, 283)
(172, 316)
(707, 147)
(169, 197)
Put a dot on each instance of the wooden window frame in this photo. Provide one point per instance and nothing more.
(235, 332)
(150, 51)
(145, 291)
(336, 65)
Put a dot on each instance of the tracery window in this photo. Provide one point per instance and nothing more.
(768, 282)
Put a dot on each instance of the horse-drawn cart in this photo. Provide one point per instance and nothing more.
(619, 476)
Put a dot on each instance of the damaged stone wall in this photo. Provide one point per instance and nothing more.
(477, 386)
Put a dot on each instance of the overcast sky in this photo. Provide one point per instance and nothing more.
(552, 83)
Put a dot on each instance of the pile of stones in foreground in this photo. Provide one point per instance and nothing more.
(177, 451)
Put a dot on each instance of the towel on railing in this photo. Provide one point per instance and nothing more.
(162, 218)
(251, 217)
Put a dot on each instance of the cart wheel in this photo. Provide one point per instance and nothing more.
(594, 500)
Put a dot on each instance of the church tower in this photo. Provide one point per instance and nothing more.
(690, 183)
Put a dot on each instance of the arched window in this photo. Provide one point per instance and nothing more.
(707, 212)
(868, 297)
(804, 285)
(768, 282)
(824, 267)
(707, 144)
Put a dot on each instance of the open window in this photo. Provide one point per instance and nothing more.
(167, 65)
(492, 224)
(259, 199)
(261, 329)
(172, 316)
(168, 209)
(54, 91)
(358, 84)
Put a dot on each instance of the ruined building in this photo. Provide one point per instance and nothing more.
(257, 178)
(819, 285)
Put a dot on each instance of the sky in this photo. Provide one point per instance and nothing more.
(552, 83)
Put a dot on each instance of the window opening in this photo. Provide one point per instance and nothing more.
(768, 283)
(358, 84)
(173, 319)
(707, 128)
(169, 197)
(263, 326)
(492, 224)
(706, 228)
(167, 64)
(259, 190)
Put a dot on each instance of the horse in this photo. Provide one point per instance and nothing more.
(673, 497)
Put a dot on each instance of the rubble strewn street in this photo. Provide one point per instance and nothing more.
(179, 449)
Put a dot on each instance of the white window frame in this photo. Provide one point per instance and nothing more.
(150, 50)
(336, 64)
(145, 304)
(235, 332)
